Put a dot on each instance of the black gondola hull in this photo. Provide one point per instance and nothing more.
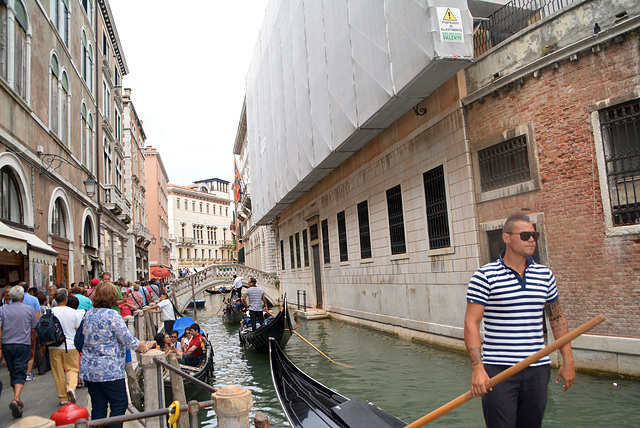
(309, 404)
(279, 328)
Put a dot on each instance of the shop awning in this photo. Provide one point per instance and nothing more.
(11, 240)
(39, 251)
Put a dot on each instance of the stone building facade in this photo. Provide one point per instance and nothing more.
(156, 181)
(61, 65)
(544, 121)
(200, 219)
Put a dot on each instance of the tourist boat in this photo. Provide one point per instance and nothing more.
(309, 404)
(279, 328)
(199, 303)
(219, 290)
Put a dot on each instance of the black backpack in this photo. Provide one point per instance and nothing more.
(49, 330)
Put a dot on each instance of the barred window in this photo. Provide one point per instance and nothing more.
(363, 225)
(342, 237)
(293, 259)
(325, 241)
(504, 164)
(620, 126)
(396, 220)
(298, 264)
(305, 246)
(436, 203)
(282, 254)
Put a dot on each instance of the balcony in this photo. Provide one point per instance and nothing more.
(113, 199)
(126, 214)
(185, 241)
(166, 245)
(226, 244)
(141, 233)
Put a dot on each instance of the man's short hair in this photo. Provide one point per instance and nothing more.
(61, 295)
(16, 293)
(514, 218)
(81, 284)
(164, 294)
(105, 273)
(24, 285)
(195, 327)
(76, 290)
(73, 302)
(255, 281)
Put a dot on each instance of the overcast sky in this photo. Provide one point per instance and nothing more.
(188, 63)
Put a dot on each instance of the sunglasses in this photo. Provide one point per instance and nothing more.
(525, 236)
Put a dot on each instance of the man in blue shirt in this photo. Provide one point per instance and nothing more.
(510, 295)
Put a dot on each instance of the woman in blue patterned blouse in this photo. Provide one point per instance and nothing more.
(103, 356)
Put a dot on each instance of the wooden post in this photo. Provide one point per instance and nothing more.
(149, 326)
(134, 386)
(232, 404)
(177, 390)
(193, 294)
(139, 323)
(151, 392)
(261, 421)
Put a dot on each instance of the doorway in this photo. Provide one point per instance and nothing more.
(317, 276)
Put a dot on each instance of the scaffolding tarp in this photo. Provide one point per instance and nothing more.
(328, 75)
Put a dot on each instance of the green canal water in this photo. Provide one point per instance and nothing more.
(404, 378)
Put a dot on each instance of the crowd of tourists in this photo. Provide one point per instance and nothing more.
(104, 339)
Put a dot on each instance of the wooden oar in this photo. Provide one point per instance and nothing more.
(322, 353)
(510, 371)
(224, 302)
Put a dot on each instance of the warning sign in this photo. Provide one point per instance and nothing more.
(450, 24)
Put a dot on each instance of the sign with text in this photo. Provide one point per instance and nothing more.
(450, 24)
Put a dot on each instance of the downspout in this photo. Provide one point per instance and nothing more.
(99, 128)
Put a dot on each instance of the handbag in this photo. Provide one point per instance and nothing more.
(78, 339)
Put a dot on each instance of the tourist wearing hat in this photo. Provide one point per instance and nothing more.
(94, 283)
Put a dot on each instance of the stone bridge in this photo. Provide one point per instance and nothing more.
(216, 275)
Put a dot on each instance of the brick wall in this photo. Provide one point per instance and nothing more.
(597, 272)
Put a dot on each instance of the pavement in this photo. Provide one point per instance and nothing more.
(39, 396)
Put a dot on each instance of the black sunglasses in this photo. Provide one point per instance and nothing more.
(525, 236)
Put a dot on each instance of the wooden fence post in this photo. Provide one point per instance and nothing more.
(151, 392)
(177, 390)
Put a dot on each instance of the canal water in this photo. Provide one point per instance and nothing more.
(404, 378)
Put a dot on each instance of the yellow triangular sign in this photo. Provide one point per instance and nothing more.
(449, 16)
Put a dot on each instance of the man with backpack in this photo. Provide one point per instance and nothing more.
(17, 336)
(64, 357)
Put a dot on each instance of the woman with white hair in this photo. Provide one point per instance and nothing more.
(17, 327)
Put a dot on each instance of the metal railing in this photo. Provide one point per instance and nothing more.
(512, 18)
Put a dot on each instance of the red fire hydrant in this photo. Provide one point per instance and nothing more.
(68, 414)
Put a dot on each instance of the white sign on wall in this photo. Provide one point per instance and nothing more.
(450, 24)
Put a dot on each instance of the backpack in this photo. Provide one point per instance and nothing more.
(49, 330)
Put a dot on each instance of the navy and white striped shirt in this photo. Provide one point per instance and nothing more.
(513, 310)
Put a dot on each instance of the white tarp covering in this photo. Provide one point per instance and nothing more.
(328, 75)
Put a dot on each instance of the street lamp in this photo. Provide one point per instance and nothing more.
(153, 240)
(91, 186)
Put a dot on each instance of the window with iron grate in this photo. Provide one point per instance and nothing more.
(305, 247)
(325, 241)
(282, 254)
(293, 260)
(620, 126)
(437, 213)
(363, 225)
(298, 263)
(396, 220)
(504, 164)
(342, 237)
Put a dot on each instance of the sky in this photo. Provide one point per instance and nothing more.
(188, 63)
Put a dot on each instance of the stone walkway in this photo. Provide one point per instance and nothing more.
(40, 398)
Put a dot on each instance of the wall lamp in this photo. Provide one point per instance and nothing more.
(50, 160)
(153, 240)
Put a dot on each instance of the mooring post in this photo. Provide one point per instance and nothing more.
(149, 327)
(128, 320)
(177, 390)
(261, 420)
(151, 390)
(232, 404)
(193, 295)
(194, 408)
(139, 323)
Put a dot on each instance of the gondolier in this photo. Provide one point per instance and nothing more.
(237, 286)
(511, 294)
(255, 300)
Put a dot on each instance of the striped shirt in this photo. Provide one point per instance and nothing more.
(255, 298)
(513, 311)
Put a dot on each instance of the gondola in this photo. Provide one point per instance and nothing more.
(279, 328)
(199, 303)
(231, 314)
(309, 404)
(204, 370)
(219, 290)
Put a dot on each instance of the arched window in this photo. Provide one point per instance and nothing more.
(59, 220)
(54, 107)
(11, 204)
(87, 61)
(86, 136)
(88, 8)
(60, 17)
(88, 233)
(20, 50)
